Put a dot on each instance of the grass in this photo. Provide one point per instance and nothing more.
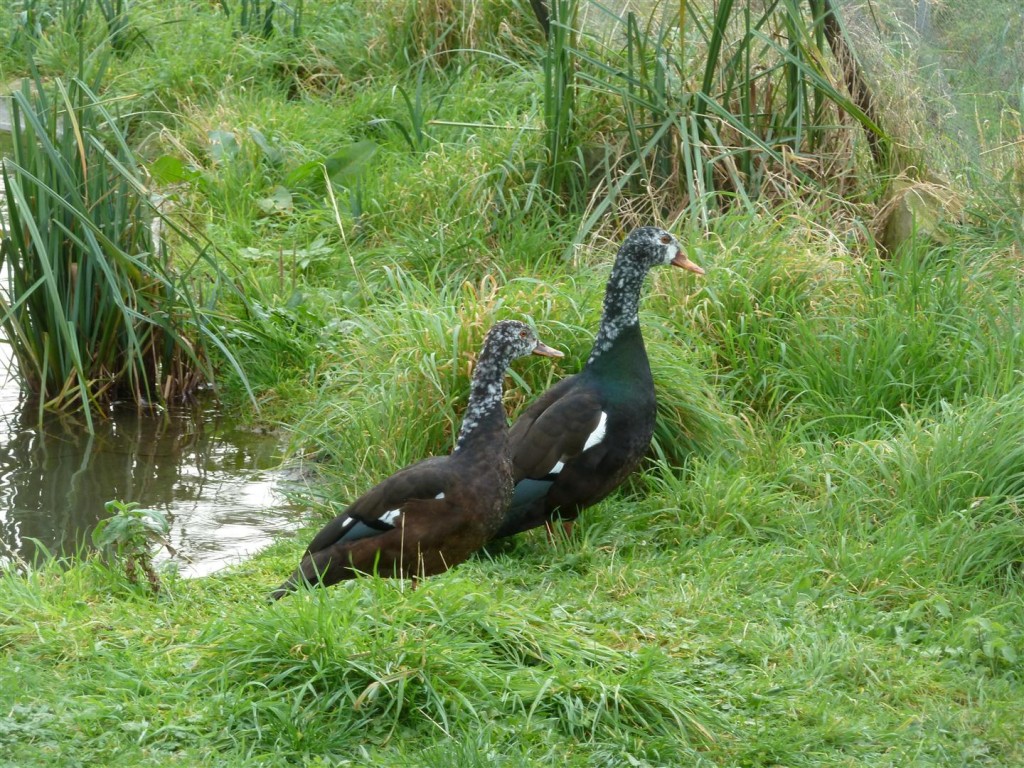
(819, 564)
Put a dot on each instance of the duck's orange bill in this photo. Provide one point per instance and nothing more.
(681, 261)
(546, 351)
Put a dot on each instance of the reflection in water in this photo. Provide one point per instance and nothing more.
(214, 483)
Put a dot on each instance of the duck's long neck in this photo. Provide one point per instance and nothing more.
(485, 414)
(621, 311)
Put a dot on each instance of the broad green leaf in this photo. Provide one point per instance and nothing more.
(271, 154)
(343, 167)
(223, 146)
(168, 169)
(279, 200)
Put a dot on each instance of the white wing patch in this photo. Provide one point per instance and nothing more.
(598, 434)
(593, 439)
(389, 517)
(440, 495)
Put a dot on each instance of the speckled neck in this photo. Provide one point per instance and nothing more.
(621, 304)
(485, 391)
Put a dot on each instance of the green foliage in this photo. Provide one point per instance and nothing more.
(529, 676)
(560, 64)
(36, 17)
(62, 33)
(447, 324)
(96, 308)
(412, 126)
(128, 535)
(442, 31)
(768, 93)
(119, 30)
(960, 475)
(820, 563)
(244, 174)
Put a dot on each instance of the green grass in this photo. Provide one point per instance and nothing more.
(820, 563)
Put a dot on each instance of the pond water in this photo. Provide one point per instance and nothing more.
(218, 485)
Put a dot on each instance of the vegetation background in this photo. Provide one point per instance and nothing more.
(821, 563)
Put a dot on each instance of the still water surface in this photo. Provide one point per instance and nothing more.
(217, 484)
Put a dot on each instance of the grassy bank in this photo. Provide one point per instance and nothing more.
(821, 563)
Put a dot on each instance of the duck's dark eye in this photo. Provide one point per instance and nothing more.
(666, 239)
(522, 334)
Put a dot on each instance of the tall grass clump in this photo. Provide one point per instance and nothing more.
(96, 309)
(768, 114)
(844, 344)
(64, 35)
(935, 327)
(1001, 182)
(443, 30)
(745, 308)
(933, 498)
(960, 477)
(415, 348)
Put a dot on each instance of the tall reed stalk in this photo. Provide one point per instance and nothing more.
(256, 17)
(38, 20)
(560, 99)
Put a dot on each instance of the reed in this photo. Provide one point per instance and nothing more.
(95, 308)
(767, 115)
(79, 31)
(255, 18)
(559, 100)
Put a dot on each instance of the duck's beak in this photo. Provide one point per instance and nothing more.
(681, 261)
(546, 351)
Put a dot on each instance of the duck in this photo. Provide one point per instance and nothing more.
(582, 438)
(431, 515)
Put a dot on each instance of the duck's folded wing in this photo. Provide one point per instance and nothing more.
(379, 509)
(553, 431)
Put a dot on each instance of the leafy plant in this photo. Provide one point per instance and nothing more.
(417, 108)
(994, 643)
(128, 535)
(236, 174)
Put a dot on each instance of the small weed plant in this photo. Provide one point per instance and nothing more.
(128, 537)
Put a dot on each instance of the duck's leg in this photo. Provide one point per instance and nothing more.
(566, 533)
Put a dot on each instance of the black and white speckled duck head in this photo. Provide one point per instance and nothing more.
(646, 247)
(507, 340)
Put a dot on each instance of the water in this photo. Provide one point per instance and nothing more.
(217, 484)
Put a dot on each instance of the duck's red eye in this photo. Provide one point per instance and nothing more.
(666, 239)
(522, 334)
